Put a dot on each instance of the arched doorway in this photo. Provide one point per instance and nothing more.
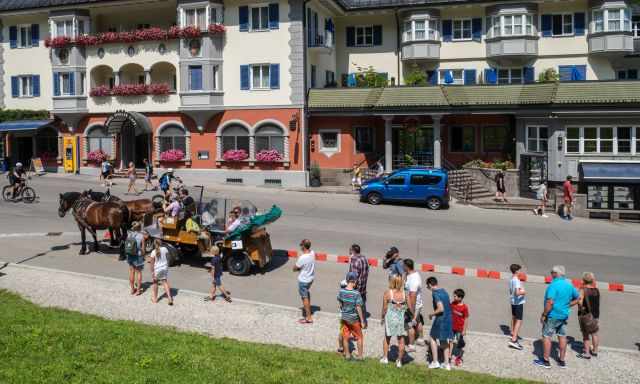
(134, 136)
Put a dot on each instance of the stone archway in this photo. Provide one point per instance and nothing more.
(133, 133)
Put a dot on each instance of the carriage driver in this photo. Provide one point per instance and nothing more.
(16, 178)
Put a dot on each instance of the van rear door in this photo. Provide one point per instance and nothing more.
(423, 185)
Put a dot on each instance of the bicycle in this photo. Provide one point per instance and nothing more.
(24, 193)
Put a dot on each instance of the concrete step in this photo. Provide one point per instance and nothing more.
(515, 204)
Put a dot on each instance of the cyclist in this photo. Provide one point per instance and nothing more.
(16, 178)
(165, 180)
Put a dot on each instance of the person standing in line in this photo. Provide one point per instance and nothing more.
(148, 176)
(542, 194)
(133, 249)
(379, 169)
(351, 316)
(216, 275)
(516, 295)
(559, 297)
(159, 270)
(394, 306)
(460, 323)
(589, 315)
(393, 263)
(356, 181)
(441, 326)
(568, 192)
(306, 265)
(500, 187)
(413, 317)
(131, 174)
(360, 266)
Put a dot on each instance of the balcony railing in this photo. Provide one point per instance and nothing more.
(322, 41)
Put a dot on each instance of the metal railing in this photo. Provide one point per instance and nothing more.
(405, 160)
(325, 41)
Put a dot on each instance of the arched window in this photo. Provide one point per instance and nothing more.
(173, 137)
(47, 142)
(235, 137)
(270, 137)
(99, 139)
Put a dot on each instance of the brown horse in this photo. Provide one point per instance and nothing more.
(137, 208)
(91, 216)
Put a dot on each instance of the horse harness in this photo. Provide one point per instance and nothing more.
(80, 209)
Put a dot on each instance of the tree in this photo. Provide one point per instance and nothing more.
(549, 75)
(367, 77)
(416, 77)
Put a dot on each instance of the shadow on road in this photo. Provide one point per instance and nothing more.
(555, 348)
(505, 329)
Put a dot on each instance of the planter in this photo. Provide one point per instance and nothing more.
(315, 182)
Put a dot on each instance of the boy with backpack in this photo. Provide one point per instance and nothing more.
(133, 250)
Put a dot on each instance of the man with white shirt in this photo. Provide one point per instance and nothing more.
(413, 317)
(306, 265)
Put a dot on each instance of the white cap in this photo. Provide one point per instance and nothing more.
(559, 269)
(18, 164)
(170, 170)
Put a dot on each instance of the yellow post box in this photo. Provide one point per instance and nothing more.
(70, 153)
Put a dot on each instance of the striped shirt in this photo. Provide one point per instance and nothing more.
(349, 299)
(360, 266)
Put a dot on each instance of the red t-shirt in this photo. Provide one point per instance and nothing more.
(459, 314)
(568, 190)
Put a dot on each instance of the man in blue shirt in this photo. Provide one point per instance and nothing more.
(559, 297)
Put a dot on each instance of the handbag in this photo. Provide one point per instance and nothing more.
(587, 322)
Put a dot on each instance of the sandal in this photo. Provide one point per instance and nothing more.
(228, 299)
(171, 303)
(138, 292)
(305, 321)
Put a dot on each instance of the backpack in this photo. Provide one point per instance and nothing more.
(164, 182)
(131, 246)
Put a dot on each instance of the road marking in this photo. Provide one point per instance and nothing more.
(37, 234)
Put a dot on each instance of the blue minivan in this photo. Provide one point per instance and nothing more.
(414, 184)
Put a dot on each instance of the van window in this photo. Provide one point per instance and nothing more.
(421, 179)
(396, 180)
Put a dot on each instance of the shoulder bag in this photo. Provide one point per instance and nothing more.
(586, 320)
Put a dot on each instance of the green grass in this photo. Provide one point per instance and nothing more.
(43, 345)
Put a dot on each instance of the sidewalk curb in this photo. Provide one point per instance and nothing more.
(474, 272)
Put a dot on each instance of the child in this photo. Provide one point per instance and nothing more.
(459, 316)
(216, 275)
(340, 350)
(160, 271)
(351, 317)
(516, 294)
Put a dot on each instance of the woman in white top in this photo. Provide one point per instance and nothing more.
(160, 271)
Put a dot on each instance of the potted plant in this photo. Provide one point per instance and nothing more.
(172, 155)
(268, 156)
(96, 156)
(235, 155)
(314, 175)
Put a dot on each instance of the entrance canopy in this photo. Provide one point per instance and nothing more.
(610, 172)
(23, 125)
(117, 121)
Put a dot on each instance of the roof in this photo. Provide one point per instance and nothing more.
(15, 5)
(585, 93)
(23, 125)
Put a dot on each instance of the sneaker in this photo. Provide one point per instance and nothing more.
(411, 348)
(545, 216)
(562, 364)
(535, 212)
(457, 362)
(542, 363)
(398, 363)
(434, 365)
(447, 366)
(384, 360)
(516, 345)
(583, 355)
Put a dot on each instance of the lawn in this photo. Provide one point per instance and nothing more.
(44, 345)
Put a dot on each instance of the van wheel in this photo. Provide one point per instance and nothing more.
(374, 198)
(434, 203)
(238, 264)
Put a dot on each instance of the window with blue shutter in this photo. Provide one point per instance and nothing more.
(572, 72)
(72, 83)
(579, 23)
(529, 75)
(377, 35)
(56, 84)
(351, 80)
(469, 76)
(15, 85)
(274, 76)
(13, 36)
(447, 30)
(35, 35)
(491, 76)
(274, 16)
(35, 85)
(448, 76)
(351, 36)
(243, 18)
(476, 27)
(244, 77)
(195, 77)
(546, 22)
(433, 77)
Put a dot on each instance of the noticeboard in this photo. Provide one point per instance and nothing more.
(36, 166)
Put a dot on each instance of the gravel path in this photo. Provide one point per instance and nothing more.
(266, 323)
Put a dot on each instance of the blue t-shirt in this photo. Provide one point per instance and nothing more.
(216, 264)
(349, 298)
(562, 292)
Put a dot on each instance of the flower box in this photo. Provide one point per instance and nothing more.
(97, 156)
(235, 155)
(172, 155)
(131, 90)
(269, 156)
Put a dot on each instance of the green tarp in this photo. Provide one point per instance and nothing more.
(256, 221)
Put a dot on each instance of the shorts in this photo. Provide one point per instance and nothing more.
(147, 178)
(162, 275)
(553, 327)
(517, 311)
(136, 262)
(408, 317)
(303, 289)
(351, 329)
(105, 174)
(501, 190)
(217, 281)
(458, 340)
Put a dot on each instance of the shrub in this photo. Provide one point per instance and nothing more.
(190, 32)
(57, 42)
(216, 28)
(235, 155)
(97, 156)
(158, 89)
(172, 155)
(129, 90)
(100, 91)
(269, 156)
(416, 77)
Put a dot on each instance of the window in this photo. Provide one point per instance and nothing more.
(235, 137)
(364, 139)
(47, 142)
(421, 29)
(98, 139)
(260, 76)
(637, 140)
(610, 140)
(590, 142)
(313, 75)
(270, 137)
(635, 27)
(215, 15)
(598, 21)
(627, 74)
(65, 84)
(623, 197)
(196, 17)
(422, 179)
(259, 18)
(605, 137)
(624, 139)
(462, 29)
(24, 36)
(494, 138)
(452, 76)
(173, 137)
(612, 20)
(597, 197)
(364, 36)
(26, 86)
(463, 139)
(537, 138)
(64, 28)
(395, 180)
(562, 25)
(83, 77)
(511, 25)
(216, 70)
(510, 76)
(195, 78)
(329, 141)
(329, 78)
(573, 140)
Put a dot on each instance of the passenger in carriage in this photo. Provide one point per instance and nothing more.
(234, 220)
(173, 209)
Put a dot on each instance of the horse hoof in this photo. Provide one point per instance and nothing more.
(82, 252)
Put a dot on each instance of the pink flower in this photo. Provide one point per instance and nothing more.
(172, 155)
(57, 42)
(158, 89)
(190, 32)
(97, 156)
(216, 28)
(235, 155)
(100, 91)
(269, 156)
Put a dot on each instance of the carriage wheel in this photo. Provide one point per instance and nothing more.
(238, 263)
(28, 195)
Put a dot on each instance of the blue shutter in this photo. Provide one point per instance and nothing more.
(35, 35)
(579, 23)
(351, 80)
(56, 84)
(579, 73)
(274, 76)
(491, 76)
(72, 83)
(15, 86)
(469, 76)
(433, 80)
(447, 30)
(529, 74)
(244, 77)
(13, 36)
(351, 36)
(243, 18)
(35, 85)
(547, 25)
(377, 35)
(476, 27)
(274, 16)
(448, 76)
(565, 72)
